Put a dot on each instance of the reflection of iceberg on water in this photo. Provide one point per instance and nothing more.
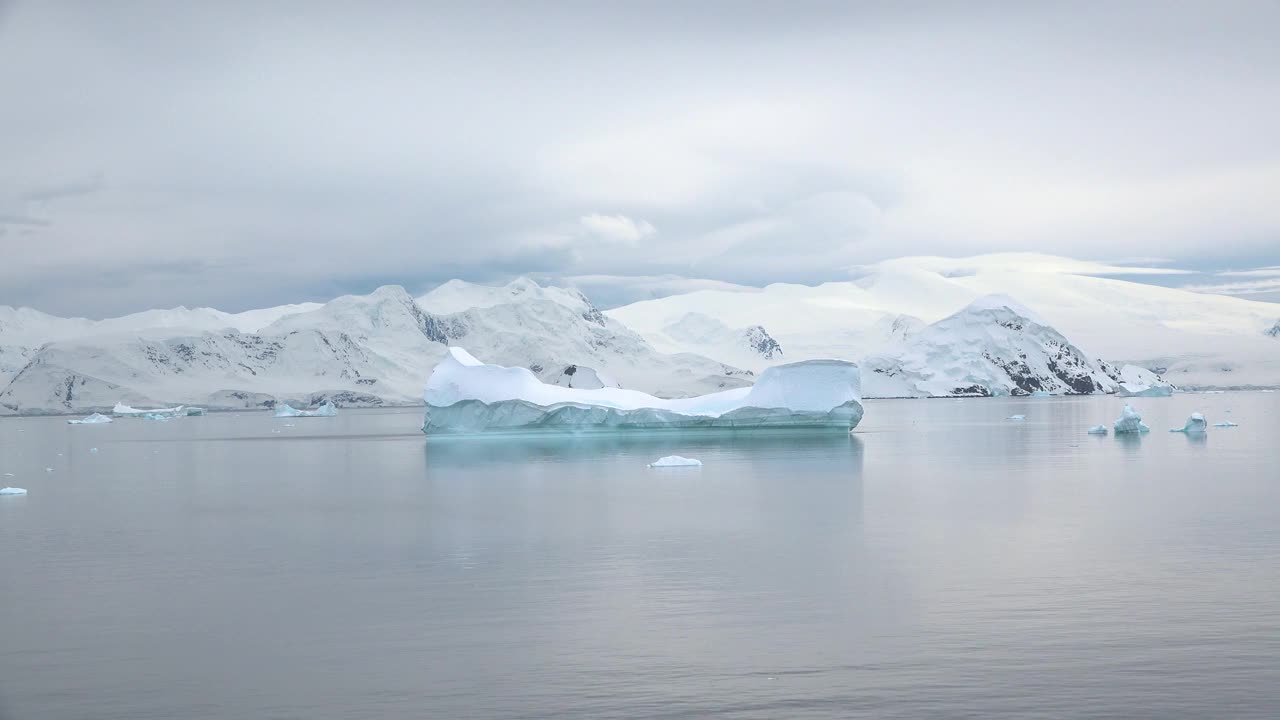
(464, 395)
(1130, 421)
(94, 419)
(326, 409)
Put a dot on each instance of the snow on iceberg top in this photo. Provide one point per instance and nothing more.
(808, 386)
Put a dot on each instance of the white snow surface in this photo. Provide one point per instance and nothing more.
(1200, 340)
(460, 381)
(94, 419)
(1130, 421)
(675, 461)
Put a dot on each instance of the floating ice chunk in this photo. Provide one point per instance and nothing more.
(1016, 417)
(675, 461)
(1098, 430)
(8, 474)
(196, 411)
(465, 395)
(1130, 421)
(1041, 393)
(1194, 424)
(93, 451)
(1140, 382)
(1131, 390)
(123, 410)
(162, 417)
(1226, 423)
(13, 491)
(94, 419)
(48, 469)
(327, 409)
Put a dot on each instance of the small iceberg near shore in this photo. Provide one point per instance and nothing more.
(1098, 430)
(94, 419)
(1194, 424)
(1130, 421)
(1041, 393)
(122, 410)
(326, 409)
(1016, 417)
(466, 396)
(196, 412)
(1226, 423)
(675, 461)
(13, 491)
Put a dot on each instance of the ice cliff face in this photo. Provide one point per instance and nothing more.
(355, 350)
(993, 346)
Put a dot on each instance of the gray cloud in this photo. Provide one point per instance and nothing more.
(279, 151)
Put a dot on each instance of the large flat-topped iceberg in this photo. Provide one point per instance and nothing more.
(465, 395)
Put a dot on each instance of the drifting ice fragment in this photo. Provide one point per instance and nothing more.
(325, 410)
(94, 419)
(1041, 393)
(1098, 430)
(465, 395)
(13, 491)
(1226, 423)
(163, 417)
(1130, 421)
(1016, 417)
(125, 411)
(675, 461)
(1195, 424)
(93, 451)
(196, 411)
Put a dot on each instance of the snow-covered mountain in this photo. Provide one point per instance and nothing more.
(357, 349)
(1194, 340)
(748, 347)
(993, 346)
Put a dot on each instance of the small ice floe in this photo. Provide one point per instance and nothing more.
(326, 409)
(93, 451)
(94, 419)
(1226, 423)
(1130, 421)
(1098, 430)
(8, 474)
(196, 412)
(1041, 393)
(675, 461)
(13, 491)
(48, 469)
(157, 417)
(123, 410)
(1194, 424)
(1016, 417)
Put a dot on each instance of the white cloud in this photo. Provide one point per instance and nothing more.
(615, 228)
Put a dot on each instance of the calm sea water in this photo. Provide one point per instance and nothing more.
(940, 562)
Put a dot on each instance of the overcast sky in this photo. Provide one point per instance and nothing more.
(244, 154)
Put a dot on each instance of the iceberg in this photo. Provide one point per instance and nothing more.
(196, 412)
(1226, 423)
(326, 409)
(1016, 417)
(1098, 430)
(675, 461)
(1194, 424)
(1130, 421)
(123, 410)
(464, 395)
(1137, 381)
(1041, 393)
(162, 417)
(94, 419)
(13, 491)
(1131, 390)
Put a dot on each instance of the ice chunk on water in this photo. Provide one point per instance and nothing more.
(1130, 421)
(162, 417)
(1016, 417)
(1194, 424)
(465, 395)
(675, 461)
(125, 411)
(94, 419)
(196, 411)
(1098, 430)
(93, 451)
(326, 409)
(1041, 393)
(1226, 423)
(13, 491)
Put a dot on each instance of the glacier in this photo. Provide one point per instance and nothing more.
(327, 409)
(1195, 424)
(1130, 421)
(675, 461)
(464, 395)
(94, 419)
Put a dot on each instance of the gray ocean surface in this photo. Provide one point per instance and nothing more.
(941, 561)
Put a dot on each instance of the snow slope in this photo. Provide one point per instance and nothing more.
(1194, 340)
(356, 350)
